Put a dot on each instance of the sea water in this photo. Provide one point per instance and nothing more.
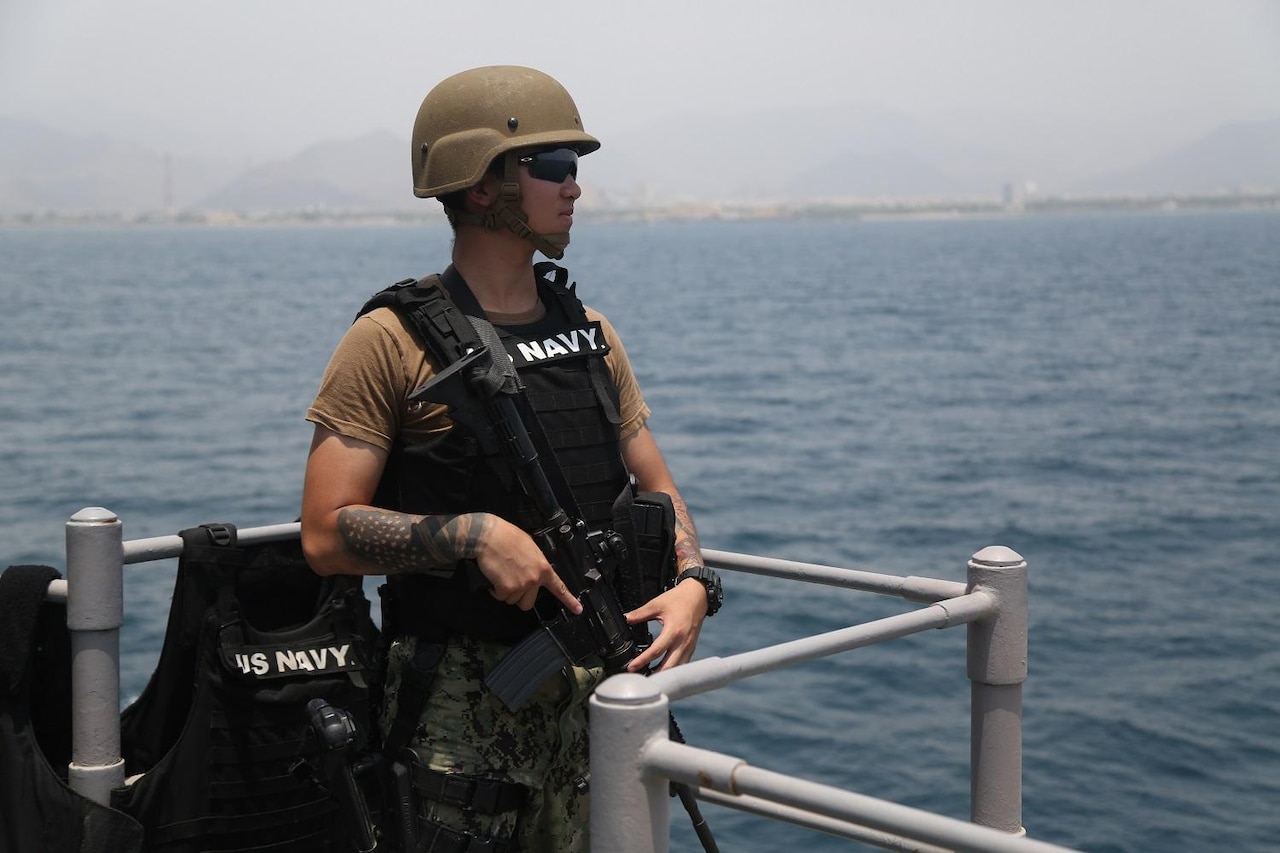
(1100, 393)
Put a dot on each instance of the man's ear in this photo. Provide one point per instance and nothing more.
(482, 195)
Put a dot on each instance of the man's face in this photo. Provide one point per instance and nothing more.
(548, 189)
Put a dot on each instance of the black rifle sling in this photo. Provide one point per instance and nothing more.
(416, 678)
(465, 301)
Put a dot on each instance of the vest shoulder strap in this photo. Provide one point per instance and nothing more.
(22, 591)
(439, 320)
(436, 321)
(556, 279)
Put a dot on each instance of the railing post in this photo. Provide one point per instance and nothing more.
(630, 811)
(95, 612)
(997, 667)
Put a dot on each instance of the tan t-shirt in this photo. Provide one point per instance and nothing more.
(378, 363)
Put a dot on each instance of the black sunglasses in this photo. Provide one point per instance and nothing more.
(553, 166)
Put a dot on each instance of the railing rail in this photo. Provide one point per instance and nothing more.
(862, 817)
(632, 758)
(910, 588)
(712, 673)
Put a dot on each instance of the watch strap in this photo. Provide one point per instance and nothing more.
(710, 581)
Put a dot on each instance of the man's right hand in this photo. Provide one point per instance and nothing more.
(515, 566)
(343, 534)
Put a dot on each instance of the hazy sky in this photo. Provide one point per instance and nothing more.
(270, 76)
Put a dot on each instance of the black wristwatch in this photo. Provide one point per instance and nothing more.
(709, 579)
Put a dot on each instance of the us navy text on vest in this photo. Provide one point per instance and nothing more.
(571, 343)
(277, 661)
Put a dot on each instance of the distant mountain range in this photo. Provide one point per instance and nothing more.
(789, 156)
(367, 173)
(1233, 157)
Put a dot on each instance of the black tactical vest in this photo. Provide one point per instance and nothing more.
(38, 812)
(560, 360)
(253, 636)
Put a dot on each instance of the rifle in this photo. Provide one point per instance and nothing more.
(575, 553)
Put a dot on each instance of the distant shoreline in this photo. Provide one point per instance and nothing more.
(692, 211)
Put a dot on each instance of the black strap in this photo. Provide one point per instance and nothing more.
(441, 326)
(474, 793)
(22, 591)
(416, 679)
(551, 271)
(573, 309)
(465, 300)
(197, 543)
(433, 318)
(566, 295)
(438, 838)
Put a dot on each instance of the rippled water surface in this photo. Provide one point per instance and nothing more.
(1101, 394)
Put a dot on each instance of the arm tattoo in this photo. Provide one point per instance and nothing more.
(445, 539)
(688, 551)
(397, 542)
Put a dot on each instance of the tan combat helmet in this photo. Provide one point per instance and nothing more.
(472, 118)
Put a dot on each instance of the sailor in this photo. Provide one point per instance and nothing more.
(403, 489)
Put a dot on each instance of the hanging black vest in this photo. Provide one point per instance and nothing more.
(38, 812)
(560, 360)
(253, 635)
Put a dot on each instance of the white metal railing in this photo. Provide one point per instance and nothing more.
(632, 757)
(94, 592)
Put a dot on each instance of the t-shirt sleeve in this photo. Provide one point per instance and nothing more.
(631, 405)
(364, 388)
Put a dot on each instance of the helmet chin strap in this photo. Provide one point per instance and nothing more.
(507, 212)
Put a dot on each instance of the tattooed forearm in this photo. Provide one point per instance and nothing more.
(688, 551)
(401, 543)
(446, 539)
(379, 537)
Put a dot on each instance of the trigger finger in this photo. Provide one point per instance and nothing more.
(562, 592)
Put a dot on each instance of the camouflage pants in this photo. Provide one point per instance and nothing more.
(543, 746)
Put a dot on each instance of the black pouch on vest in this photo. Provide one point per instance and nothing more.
(654, 517)
(646, 521)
